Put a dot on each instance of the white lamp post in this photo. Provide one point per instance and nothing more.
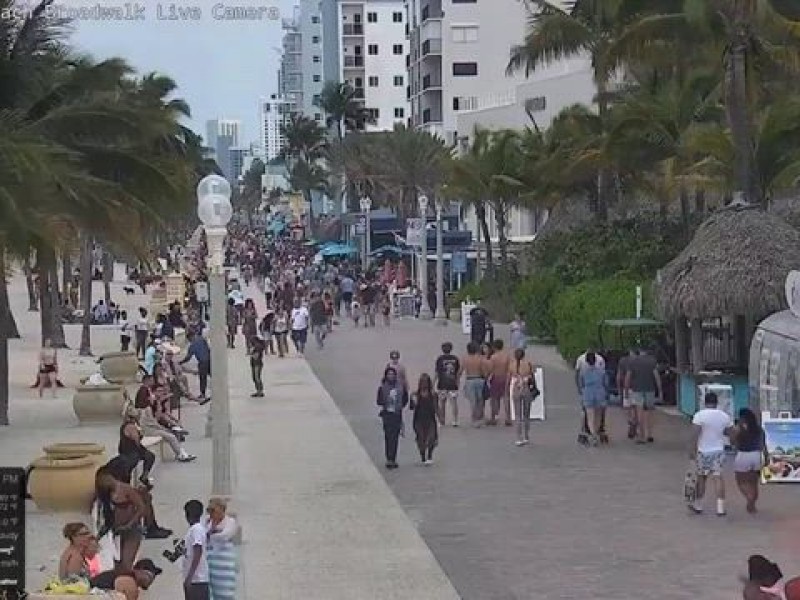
(366, 206)
(441, 316)
(215, 211)
(425, 309)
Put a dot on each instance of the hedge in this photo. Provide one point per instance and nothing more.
(534, 298)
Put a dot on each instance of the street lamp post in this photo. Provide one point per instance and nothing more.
(425, 309)
(441, 316)
(214, 210)
(366, 206)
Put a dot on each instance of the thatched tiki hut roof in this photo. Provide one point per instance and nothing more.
(736, 264)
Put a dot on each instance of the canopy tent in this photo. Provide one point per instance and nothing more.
(390, 249)
(338, 250)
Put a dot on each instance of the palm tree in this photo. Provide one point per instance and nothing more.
(304, 138)
(343, 109)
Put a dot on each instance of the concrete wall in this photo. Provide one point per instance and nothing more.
(310, 28)
(385, 33)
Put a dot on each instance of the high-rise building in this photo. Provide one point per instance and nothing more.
(221, 136)
(300, 78)
(273, 114)
(238, 157)
(372, 57)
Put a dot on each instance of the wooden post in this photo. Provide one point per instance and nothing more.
(681, 344)
(698, 362)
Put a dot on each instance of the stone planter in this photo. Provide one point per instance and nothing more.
(119, 367)
(63, 484)
(76, 450)
(98, 403)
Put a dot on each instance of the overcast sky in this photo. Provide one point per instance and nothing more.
(221, 67)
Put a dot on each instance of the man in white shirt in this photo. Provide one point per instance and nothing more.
(195, 562)
(300, 318)
(707, 448)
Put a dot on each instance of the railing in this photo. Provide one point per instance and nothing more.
(432, 46)
(353, 61)
(430, 81)
(358, 93)
(353, 29)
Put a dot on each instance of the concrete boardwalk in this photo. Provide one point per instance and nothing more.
(319, 521)
(555, 519)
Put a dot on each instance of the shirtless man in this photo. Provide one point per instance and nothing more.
(498, 382)
(475, 367)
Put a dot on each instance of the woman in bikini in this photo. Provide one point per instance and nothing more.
(79, 559)
(122, 509)
(48, 368)
(522, 390)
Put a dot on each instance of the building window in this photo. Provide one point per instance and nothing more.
(397, 17)
(465, 1)
(372, 49)
(464, 34)
(398, 80)
(317, 117)
(316, 99)
(399, 113)
(317, 78)
(374, 114)
(465, 69)
(314, 19)
(465, 103)
(372, 17)
(373, 81)
(317, 59)
(315, 39)
(397, 49)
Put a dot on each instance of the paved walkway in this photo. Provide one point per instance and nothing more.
(554, 520)
(319, 521)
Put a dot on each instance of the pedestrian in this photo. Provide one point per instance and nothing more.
(751, 455)
(232, 322)
(392, 398)
(48, 368)
(386, 309)
(354, 310)
(594, 394)
(319, 319)
(478, 318)
(448, 375)
(257, 348)
(642, 382)
(498, 383)
(195, 560)
(394, 363)
(222, 564)
(523, 392)
(201, 352)
(475, 367)
(300, 320)
(141, 329)
(424, 405)
(249, 322)
(707, 449)
(519, 338)
(124, 331)
(627, 405)
(347, 287)
(281, 330)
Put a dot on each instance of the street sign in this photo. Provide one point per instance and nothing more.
(201, 291)
(415, 229)
(12, 532)
(361, 225)
(458, 263)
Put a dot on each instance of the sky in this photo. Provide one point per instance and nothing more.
(222, 67)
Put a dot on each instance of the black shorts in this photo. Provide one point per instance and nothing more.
(300, 335)
(47, 369)
(347, 297)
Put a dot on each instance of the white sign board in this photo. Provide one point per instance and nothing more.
(537, 406)
(201, 291)
(466, 320)
(120, 272)
(793, 292)
(415, 229)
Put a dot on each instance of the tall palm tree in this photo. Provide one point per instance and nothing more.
(343, 109)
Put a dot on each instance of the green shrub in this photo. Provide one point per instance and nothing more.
(534, 298)
(579, 309)
(471, 290)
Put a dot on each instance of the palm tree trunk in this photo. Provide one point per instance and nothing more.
(86, 296)
(700, 201)
(108, 270)
(7, 322)
(66, 273)
(736, 106)
(56, 301)
(33, 301)
(605, 177)
(50, 315)
(480, 210)
(502, 240)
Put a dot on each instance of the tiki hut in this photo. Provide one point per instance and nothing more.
(731, 275)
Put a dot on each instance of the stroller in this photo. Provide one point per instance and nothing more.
(585, 433)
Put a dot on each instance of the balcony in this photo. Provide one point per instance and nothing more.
(431, 82)
(432, 47)
(353, 29)
(431, 116)
(354, 62)
(432, 10)
(358, 93)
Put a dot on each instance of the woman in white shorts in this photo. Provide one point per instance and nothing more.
(748, 437)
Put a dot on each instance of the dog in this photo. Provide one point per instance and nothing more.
(129, 290)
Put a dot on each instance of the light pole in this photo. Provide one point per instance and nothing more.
(441, 316)
(425, 309)
(366, 206)
(214, 210)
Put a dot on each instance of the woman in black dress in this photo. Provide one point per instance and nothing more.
(423, 403)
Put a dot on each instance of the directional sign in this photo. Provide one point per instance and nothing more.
(415, 229)
(361, 225)
(459, 262)
(12, 532)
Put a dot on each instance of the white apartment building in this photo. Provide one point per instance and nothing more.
(300, 78)
(273, 113)
(372, 57)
